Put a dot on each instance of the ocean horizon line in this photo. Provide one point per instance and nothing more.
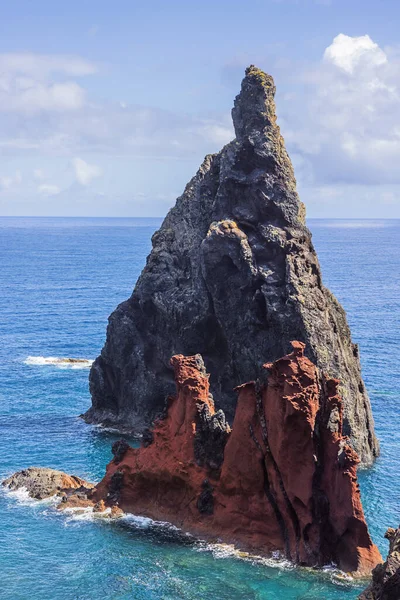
(163, 217)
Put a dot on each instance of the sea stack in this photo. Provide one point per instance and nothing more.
(232, 275)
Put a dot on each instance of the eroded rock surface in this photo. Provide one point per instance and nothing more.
(385, 584)
(232, 275)
(69, 491)
(41, 482)
(283, 479)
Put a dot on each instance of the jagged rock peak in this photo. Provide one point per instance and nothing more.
(254, 119)
(233, 276)
(254, 107)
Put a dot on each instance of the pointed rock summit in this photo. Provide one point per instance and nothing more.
(233, 276)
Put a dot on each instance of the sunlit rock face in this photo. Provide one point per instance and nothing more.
(232, 275)
(40, 483)
(283, 479)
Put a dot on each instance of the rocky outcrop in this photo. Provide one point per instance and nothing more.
(283, 479)
(41, 483)
(232, 275)
(69, 491)
(385, 583)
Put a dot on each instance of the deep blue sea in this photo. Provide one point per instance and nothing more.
(59, 280)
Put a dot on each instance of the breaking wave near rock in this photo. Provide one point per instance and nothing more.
(61, 363)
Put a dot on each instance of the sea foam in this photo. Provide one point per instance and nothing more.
(21, 496)
(75, 515)
(61, 363)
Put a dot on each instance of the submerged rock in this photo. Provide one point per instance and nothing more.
(232, 275)
(385, 584)
(283, 479)
(41, 482)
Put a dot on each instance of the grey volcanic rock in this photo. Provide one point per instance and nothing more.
(232, 275)
(41, 482)
(385, 584)
(119, 449)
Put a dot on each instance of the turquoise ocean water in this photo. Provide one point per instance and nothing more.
(59, 280)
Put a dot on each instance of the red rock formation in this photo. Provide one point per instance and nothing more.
(164, 480)
(284, 479)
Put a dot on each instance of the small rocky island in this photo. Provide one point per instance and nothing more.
(233, 276)
(281, 480)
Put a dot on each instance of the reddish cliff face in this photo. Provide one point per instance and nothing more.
(284, 479)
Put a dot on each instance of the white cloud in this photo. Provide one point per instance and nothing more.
(217, 133)
(349, 53)
(27, 86)
(135, 131)
(10, 181)
(41, 66)
(346, 127)
(43, 111)
(84, 172)
(38, 97)
(48, 189)
(340, 119)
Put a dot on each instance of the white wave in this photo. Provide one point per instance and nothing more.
(21, 496)
(230, 551)
(140, 522)
(276, 561)
(112, 430)
(61, 363)
(339, 577)
(74, 515)
(87, 513)
(147, 523)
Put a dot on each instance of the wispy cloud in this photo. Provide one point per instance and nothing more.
(340, 118)
(41, 66)
(84, 172)
(10, 181)
(48, 189)
(29, 83)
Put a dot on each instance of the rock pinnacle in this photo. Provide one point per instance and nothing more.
(233, 276)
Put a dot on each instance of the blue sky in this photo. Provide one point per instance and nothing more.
(107, 108)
